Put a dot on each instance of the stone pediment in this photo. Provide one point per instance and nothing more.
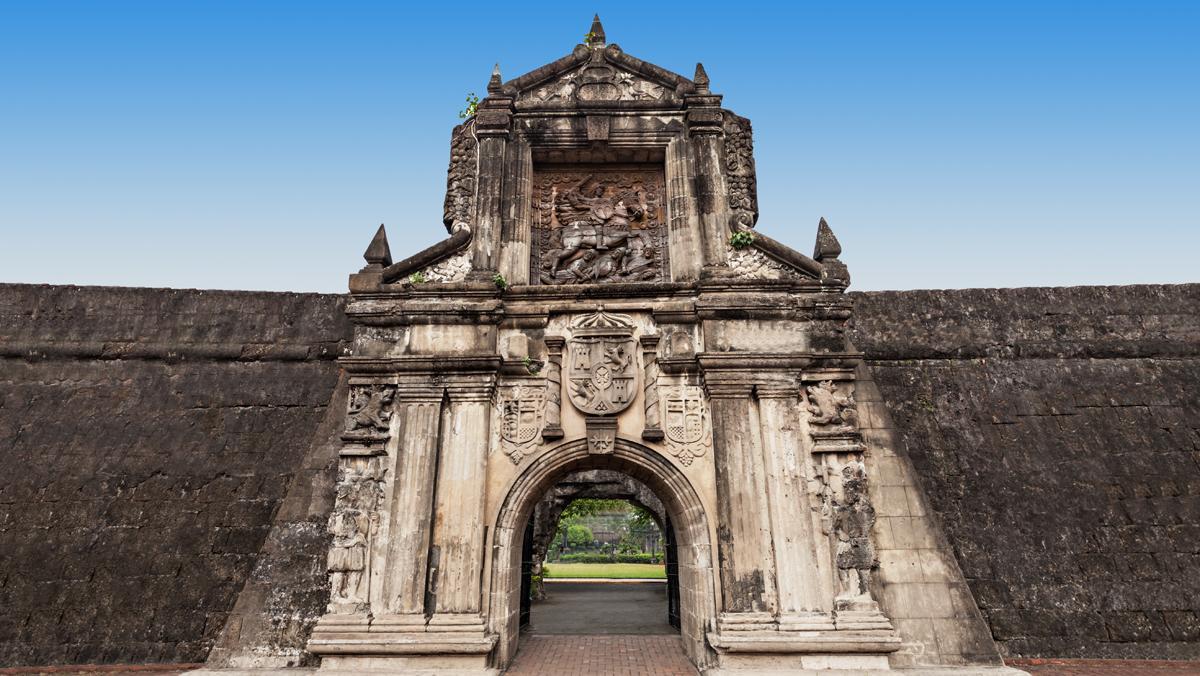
(596, 74)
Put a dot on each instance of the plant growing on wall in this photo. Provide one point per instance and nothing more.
(741, 239)
(472, 107)
(500, 282)
(417, 277)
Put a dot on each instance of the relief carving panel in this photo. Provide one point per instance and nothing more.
(601, 225)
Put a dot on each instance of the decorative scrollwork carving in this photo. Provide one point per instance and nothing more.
(460, 179)
(354, 519)
(740, 177)
(830, 409)
(370, 408)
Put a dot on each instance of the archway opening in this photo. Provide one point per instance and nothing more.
(683, 530)
(595, 560)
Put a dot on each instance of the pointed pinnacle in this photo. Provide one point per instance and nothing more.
(379, 253)
(495, 81)
(828, 247)
(596, 34)
(701, 79)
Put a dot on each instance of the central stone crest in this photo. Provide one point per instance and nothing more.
(601, 369)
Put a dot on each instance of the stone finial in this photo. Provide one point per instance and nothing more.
(828, 247)
(495, 83)
(701, 79)
(596, 34)
(379, 253)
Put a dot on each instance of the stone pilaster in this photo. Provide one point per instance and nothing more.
(802, 599)
(493, 123)
(652, 431)
(683, 223)
(553, 427)
(456, 554)
(516, 214)
(407, 555)
(705, 123)
(744, 538)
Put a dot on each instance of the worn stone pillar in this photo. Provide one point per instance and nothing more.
(683, 223)
(493, 123)
(652, 431)
(705, 123)
(802, 605)
(517, 213)
(744, 536)
(456, 555)
(407, 555)
(553, 427)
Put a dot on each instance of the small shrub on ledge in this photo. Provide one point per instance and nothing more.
(417, 278)
(500, 282)
(741, 239)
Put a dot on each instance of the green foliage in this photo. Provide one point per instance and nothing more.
(592, 506)
(618, 571)
(532, 365)
(741, 239)
(500, 282)
(594, 557)
(587, 38)
(417, 277)
(579, 535)
(472, 107)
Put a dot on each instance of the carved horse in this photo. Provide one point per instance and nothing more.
(581, 236)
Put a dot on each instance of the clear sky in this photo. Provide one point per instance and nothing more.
(258, 145)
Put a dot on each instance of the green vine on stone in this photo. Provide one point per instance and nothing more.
(741, 239)
(472, 107)
(587, 39)
(533, 366)
(500, 282)
(417, 278)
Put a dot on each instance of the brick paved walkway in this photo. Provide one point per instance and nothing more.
(596, 655)
(1059, 667)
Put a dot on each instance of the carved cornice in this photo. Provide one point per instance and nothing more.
(429, 365)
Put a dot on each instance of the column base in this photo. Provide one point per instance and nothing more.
(403, 644)
(798, 643)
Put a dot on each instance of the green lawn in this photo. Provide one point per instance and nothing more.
(623, 571)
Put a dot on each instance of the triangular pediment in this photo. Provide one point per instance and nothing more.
(597, 73)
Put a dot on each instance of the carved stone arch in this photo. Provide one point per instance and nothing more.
(697, 576)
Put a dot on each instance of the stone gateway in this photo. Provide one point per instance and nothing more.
(604, 313)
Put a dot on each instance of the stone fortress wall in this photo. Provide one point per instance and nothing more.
(149, 438)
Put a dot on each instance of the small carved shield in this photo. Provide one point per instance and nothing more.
(602, 369)
(685, 414)
(521, 411)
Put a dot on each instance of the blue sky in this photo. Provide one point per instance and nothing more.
(258, 145)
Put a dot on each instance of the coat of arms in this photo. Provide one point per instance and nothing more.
(522, 408)
(685, 422)
(602, 370)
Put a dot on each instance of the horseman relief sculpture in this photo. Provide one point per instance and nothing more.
(601, 226)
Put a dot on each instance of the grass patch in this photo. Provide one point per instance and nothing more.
(621, 571)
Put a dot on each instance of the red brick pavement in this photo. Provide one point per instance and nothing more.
(601, 655)
(1062, 667)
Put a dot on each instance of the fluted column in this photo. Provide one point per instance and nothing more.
(458, 528)
(801, 595)
(407, 554)
(744, 538)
